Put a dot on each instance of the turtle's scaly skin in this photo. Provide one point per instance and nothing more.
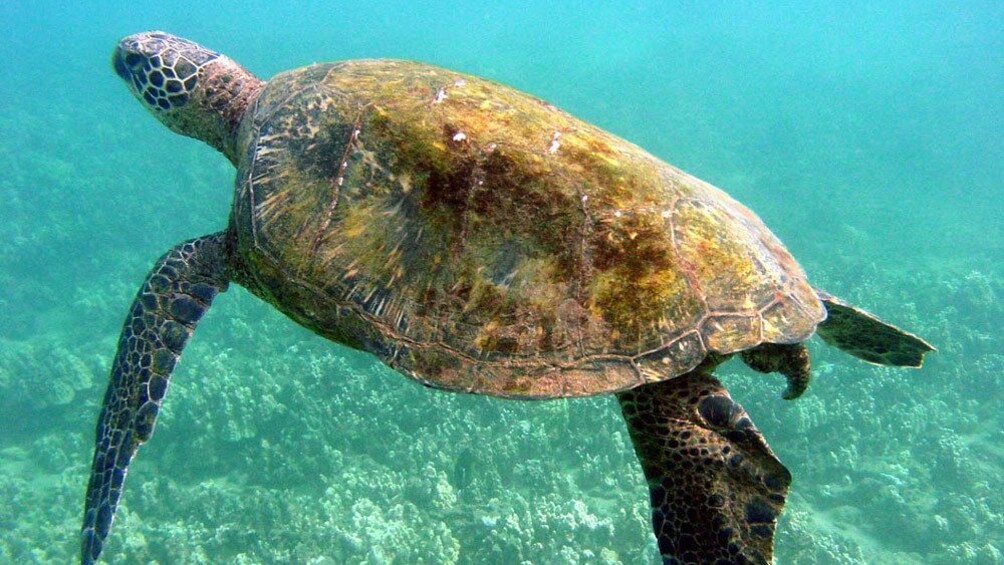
(172, 300)
(195, 91)
(716, 486)
(479, 239)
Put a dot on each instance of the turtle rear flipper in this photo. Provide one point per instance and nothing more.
(716, 487)
(865, 336)
(175, 295)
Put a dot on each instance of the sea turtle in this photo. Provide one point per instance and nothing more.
(479, 239)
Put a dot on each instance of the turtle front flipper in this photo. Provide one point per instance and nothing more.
(716, 486)
(865, 336)
(175, 295)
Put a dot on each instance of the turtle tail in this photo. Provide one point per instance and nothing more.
(716, 487)
(176, 293)
(865, 336)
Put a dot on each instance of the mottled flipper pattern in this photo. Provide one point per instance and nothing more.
(864, 336)
(716, 486)
(170, 303)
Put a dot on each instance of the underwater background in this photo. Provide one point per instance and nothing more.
(868, 135)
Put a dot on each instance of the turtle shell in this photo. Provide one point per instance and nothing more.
(480, 239)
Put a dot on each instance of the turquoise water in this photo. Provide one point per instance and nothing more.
(868, 138)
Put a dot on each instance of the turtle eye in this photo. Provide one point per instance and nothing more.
(134, 61)
(128, 64)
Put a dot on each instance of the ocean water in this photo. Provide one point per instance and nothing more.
(867, 135)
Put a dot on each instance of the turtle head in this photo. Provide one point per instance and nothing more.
(193, 90)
